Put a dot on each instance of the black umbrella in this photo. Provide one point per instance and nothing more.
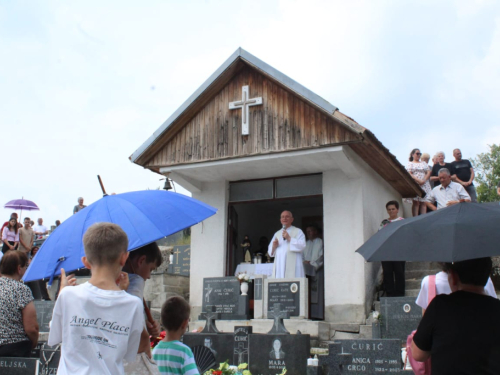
(459, 232)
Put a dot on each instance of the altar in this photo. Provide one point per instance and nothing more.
(255, 269)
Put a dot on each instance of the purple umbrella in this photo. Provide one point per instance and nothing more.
(22, 204)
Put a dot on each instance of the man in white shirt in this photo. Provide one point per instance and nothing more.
(40, 229)
(286, 248)
(446, 194)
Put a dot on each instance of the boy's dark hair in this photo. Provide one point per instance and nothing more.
(472, 272)
(152, 252)
(174, 312)
(392, 203)
(104, 243)
(27, 218)
(11, 260)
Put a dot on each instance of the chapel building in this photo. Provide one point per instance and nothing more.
(252, 142)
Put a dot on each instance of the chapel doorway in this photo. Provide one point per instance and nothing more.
(255, 207)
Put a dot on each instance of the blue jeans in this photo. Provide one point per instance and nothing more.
(472, 192)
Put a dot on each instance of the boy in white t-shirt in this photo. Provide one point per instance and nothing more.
(98, 324)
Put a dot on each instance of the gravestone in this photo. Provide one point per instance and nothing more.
(400, 316)
(270, 353)
(210, 318)
(336, 362)
(19, 366)
(181, 263)
(221, 344)
(49, 359)
(44, 314)
(259, 296)
(224, 294)
(35, 352)
(240, 354)
(292, 294)
(378, 356)
(278, 315)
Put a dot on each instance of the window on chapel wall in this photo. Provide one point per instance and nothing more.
(276, 188)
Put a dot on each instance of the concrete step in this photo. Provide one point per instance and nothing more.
(365, 331)
(345, 327)
(413, 284)
(419, 274)
(416, 266)
(412, 292)
(338, 335)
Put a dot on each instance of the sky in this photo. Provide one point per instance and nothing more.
(84, 83)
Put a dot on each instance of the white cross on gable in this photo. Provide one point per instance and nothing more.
(244, 104)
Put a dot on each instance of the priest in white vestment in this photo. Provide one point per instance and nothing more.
(286, 248)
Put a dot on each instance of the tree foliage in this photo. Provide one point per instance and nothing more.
(487, 169)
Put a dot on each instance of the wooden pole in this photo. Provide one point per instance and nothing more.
(102, 186)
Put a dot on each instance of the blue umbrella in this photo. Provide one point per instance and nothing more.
(146, 216)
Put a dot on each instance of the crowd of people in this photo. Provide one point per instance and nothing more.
(444, 183)
(458, 333)
(89, 320)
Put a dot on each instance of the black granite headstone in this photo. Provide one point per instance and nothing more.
(221, 344)
(224, 294)
(181, 260)
(240, 354)
(269, 354)
(44, 314)
(400, 316)
(19, 366)
(49, 359)
(35, 352)
(278, 315)
(336, 362)
(379, 356)
(210, 318)
(286, 293)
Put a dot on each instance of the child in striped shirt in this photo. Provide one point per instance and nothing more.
(171, 355)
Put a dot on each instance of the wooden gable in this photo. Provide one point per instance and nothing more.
(283, 122)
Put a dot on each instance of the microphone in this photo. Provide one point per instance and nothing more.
(284, 228)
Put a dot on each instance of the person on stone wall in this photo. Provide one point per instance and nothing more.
(80, 206)
(464, 174)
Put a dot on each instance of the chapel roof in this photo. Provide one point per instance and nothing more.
(362, 140)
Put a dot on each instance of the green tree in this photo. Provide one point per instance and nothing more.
(487, 169)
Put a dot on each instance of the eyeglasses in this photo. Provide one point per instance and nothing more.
(418, 153)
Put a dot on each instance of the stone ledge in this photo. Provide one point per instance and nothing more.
(317, 330)
(345, 327)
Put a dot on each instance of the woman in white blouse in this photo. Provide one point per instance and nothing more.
(10, 236)
(421, 173)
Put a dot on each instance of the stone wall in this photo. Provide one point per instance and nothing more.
(162, 286)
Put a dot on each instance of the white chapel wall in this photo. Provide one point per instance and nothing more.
(208, 242)
(376, 193)
(343, 234)
(354, 206)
